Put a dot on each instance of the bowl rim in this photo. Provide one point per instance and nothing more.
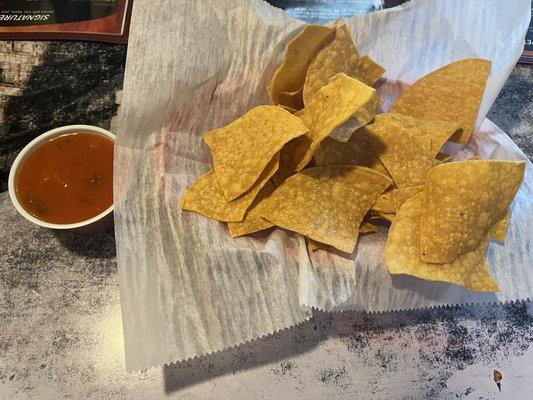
(34, 144)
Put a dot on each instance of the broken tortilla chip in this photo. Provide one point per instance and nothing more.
(330, 107)
(242, 149)
(452, 93)
(339, 56)
(402, 154)
(252, 221)
(286, 85)
(463, 200)
(326, 204)
(205, 196)
(402, 254)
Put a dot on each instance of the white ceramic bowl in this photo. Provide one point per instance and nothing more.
(97, 223)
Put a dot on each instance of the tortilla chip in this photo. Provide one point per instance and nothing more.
(402, 154)
(391, 201)
(384, 203)
(252, 221)
(431, 134)
(463, 200)
(342, 98)
(369, 71)
(339, 56)
(400, 196)
(286, 85)
(326, 204)
(242, 149)
(499, 230)
(402, 254)
(452, 93)
(366, 227)
(205, 196)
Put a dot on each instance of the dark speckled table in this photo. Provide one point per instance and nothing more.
(60, 324)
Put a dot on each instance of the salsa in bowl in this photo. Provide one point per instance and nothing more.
(63, 179)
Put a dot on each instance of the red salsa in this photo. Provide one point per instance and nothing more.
(67, 179)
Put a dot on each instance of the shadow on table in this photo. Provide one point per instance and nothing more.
(355, 329)
(267, 350)
(71, 83)
(95, 246)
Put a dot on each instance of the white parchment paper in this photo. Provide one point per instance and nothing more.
(187, 288)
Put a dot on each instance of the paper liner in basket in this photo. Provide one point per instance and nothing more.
(187, 288)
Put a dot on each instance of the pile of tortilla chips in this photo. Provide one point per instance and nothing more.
(323, 162)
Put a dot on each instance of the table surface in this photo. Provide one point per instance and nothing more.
(60, 322)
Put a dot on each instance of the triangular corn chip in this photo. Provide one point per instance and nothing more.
(463, 200)
(252, 221)
(286, 85)
(402, 154)
(326, 204)
(205, 196)
(342, 98)
(339, 56)
(402, 254)
(451, 93)
(242, 149)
